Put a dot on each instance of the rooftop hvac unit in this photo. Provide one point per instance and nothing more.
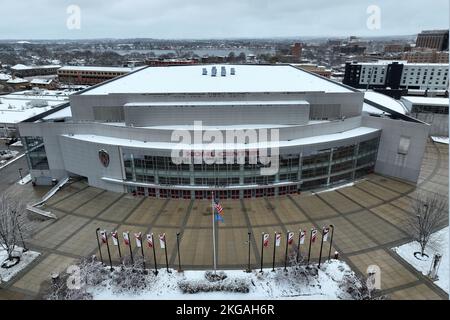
(223, 71)
(213, 71)
(204, 72)
(233, 71)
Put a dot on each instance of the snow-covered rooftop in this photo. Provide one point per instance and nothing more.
(384, 101)
(95, 68)
(432, 101)
(17, 80)
(247, 78)
(20, 106)
(41, 81)
(24, 67)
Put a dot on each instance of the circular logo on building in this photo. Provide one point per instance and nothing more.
(104, 157)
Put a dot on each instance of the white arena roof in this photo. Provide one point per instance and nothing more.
(432, 101)
(189, 79)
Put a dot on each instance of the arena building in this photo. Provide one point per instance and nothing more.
(119, 134)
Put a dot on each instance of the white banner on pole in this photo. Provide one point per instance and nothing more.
(162, 240)
(138, 237)
(266, 240)
(290, 238)
(326, 231)
(115, 238)
(126, 238)
(278, 239)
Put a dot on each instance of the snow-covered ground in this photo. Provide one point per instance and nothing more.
(438, 244)
(327, 284)
(25, 179)
(25, 260)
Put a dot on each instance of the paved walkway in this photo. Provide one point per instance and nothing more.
(369, 220)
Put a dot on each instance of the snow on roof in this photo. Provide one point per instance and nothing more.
(433, 101)
(17, 80)
(247, 78)
(371, 109)
(404, 62)
(24, 67)
(18, 107)
(212, 146)
(41, 81)
(63, 113)
(94, 68)
(4, 77)
(385, 101)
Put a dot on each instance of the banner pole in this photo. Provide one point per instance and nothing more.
(274, 247)
(98, 242)
(298, 244)
(309, 250)
(331, 241)
(109, 253)
(321, 246)
(249, 244)
(154, 255)
(262, 251)
(178, 247)
(214, 231)
(129, 247)
(143, 257)
(286, 252)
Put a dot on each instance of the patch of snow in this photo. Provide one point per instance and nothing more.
(440, 139)
(25, 260)
(25, 180)
(438, 244)
(264, 286)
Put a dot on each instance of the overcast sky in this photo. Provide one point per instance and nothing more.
(47, 19)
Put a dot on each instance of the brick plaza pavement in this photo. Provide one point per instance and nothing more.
(369, 220)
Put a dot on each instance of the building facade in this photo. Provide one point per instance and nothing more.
(120, 134)
(20, 70)
(433, 39)
(426, 56)
(396, 75)
(91, 75)
(431, 110)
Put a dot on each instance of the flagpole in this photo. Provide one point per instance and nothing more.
(214, 232)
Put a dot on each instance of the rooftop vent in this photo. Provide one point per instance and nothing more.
(204, 72)
(223, 71)
(233, 71)
(213, 71)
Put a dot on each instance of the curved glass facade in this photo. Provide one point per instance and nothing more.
(160, 177)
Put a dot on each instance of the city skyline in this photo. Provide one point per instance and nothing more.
(200, 19)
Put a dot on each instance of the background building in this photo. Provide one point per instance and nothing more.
(21, 70)
(424, 55)
(119, 134)
(82, 75)
(431, 110)
(433, 39)
(396, 75)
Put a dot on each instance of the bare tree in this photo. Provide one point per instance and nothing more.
(429, 213)
(11, 223)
